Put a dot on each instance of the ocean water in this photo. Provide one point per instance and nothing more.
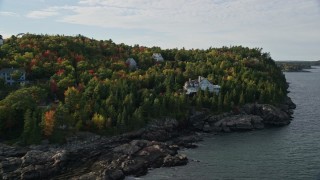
(290, 152)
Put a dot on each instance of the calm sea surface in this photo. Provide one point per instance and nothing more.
(290, 152)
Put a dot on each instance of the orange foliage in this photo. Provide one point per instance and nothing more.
(48, 122)
(33, 62)
(91, 71)
(60, 72)
(79, 58)
(59, 60)
(46, 53)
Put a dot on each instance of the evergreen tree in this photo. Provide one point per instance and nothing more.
(31, 131)
(27, 126)
(241, 99)
(226, 102)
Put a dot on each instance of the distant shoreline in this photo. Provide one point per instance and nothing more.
(305, 71)
(296, 66)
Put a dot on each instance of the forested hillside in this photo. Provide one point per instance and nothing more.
(78, 83)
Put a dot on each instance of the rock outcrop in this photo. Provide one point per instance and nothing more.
(101, 160)
(161, 130)
(93, 157)
(89, 156)
(239, 123)
(252, 116)
(271, 115)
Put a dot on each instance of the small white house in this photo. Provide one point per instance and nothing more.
(8, 75)
(157, 57)
(192, 86)
(131, 63)
(1, 40)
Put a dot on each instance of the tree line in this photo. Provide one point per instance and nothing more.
(78, 83)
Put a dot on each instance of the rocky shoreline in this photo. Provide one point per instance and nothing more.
(90, 156)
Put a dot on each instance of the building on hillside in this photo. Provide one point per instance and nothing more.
(192, 86)
(131, 63)
(157, 57)
(1, 40)
(13, 75)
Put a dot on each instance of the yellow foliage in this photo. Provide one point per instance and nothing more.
(98, 120)
(229, 78)
(71, 90)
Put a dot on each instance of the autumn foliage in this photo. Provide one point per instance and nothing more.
(48, 122)
(88, 86)
(98, 120)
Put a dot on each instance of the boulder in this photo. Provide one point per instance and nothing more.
(113, 175)
(206, 127)
(59, 157)
(177, 160)
(243, 123)
(136, 166)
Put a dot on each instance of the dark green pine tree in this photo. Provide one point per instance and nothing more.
(31, 131)
(242, 99)
(27, 126)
